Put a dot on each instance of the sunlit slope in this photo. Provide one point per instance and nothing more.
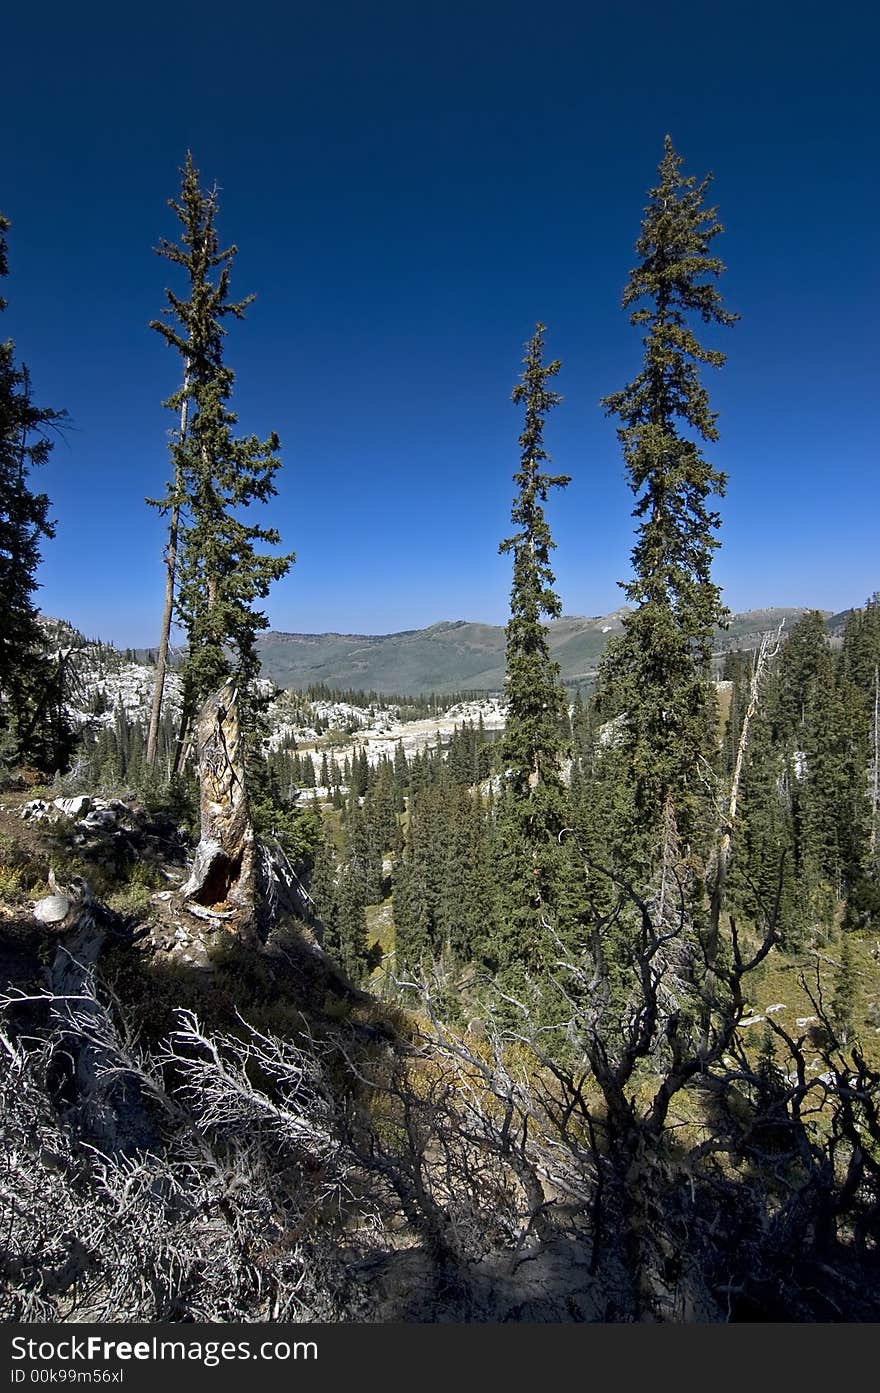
(458, 655)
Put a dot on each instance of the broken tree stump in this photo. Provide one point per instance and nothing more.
(222, 885)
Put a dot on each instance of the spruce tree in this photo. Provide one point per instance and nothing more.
(467, 910)
(26, 673)
(764, 856)
(531, 814)
(860, 663)
(219, 571)
(656, 674)
(401, 777)
(322, 883)
(845, 998)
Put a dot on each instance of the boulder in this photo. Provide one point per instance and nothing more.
(51, 909)
(74, 807)
(99, 820)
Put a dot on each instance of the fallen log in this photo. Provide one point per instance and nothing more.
(100, 1093)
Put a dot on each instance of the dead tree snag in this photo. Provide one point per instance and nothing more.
(223, 881)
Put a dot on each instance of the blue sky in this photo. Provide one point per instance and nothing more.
(411, 187)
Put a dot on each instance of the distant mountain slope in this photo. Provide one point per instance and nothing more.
(458, 655)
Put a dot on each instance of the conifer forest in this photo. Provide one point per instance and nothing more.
(553, 1003)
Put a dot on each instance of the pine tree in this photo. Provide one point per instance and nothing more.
(531, 815)
(26, 672)
(844, 1001)
(412, 908)
(656, 673)
(380, 808)
(212, 557)
(345, 936)
(764, 856)
(364, 853)
(360, 774)
(401, 777)
(467, 908)
(322, 882)
(860, 664)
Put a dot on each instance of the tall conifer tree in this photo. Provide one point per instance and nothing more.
(656, 674)
(219, 572)
(25, 677)
(531, 813)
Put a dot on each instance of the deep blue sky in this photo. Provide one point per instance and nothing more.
(411, 186)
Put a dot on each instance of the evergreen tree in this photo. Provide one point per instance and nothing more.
(764, 848)
(580, 725)
(804, 666)
(219, 571)
(345, 927)
(364, 853)
(805, 792)
(860, 665)
(467, 908)
(359, 778)
(656, 674)
(380, 808)
(532, 811)
(27, 675)
(411, 910)
(322, 883)
(846, 981)
(401, 777)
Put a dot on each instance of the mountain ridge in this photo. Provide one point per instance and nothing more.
(454, 655)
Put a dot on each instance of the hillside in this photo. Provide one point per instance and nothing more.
(460, 655)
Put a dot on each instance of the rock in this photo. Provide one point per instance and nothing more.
(51, 909)
(37, 810)
(74, 807)
(99, 820)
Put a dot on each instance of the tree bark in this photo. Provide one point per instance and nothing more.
(223, 880)
(170, 570)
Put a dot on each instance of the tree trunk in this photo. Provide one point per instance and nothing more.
(182, 743)
(106, 1100)
(768, 650)
(170, 569)
(223, 882)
